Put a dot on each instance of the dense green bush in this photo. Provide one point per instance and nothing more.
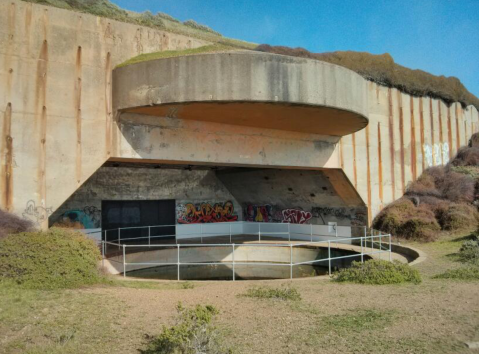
(469, 252)
(264, 292)
(378, 272)
(57, 258)
(193, 333)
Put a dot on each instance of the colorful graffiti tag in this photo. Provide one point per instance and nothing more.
(260, 213)
(87, 218)
(203, 213)
(296, 216)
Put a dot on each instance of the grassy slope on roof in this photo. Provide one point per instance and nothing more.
(383, 70)
(177, 53)
(161, 21)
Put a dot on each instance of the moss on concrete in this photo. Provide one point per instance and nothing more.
(177, 53)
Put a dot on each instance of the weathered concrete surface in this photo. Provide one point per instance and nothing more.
(246, 88)
(56, 123)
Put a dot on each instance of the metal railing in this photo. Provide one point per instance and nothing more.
(372, 242)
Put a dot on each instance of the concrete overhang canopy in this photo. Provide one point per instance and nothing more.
(246, 88)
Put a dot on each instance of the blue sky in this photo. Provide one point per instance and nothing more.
(438, 36)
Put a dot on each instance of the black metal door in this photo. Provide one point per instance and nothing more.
(140, 221)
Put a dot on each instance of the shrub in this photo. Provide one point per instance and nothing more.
(458, 187)
(263, 292)
(469, 252)
(378, 272)
(464, 273)
(57, 258)
(193, 333)
(403, 218)
(457, 216)
(11, 224)
(466, 156)
(167, 17)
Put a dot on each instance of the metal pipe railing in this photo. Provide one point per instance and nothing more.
(331, 244)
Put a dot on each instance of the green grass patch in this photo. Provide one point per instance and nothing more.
(135, 284)
(465, 273)
(193, 333)
(378, 272)
(53, 259)
(283, 293)
(176, 53)
(357, 321)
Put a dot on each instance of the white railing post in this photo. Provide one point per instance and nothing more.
(336, 230)
(380, 245)
(149, 235)
(103, 253)
(311, 232)
(178, 262)
(390, 248)
(329, 256)
(291, 261)
(362, 250)
(259, 232)
(233, 255)
(124, 261)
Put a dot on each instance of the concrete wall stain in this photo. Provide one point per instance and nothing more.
(7, 151)
(354, 161)
(458, 133)
(108, 108)
(368, 158)
(401, 142)
(449, 131)
(413, 141)
(380, 167)
(391, 142)
(78, 96)
(441, 133)
(421, 124)
(431, 115)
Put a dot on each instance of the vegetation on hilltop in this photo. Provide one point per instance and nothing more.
(442, 198)
(162, 21)
(383, 70)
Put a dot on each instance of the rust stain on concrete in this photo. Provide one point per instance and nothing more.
(401, 141)
(449, 131)
(421, 122)
(7, 151)
(368, 175)
(391, 142)
(458, 133)
(432, 132)
(413, 141)
(441, 135)
(28, 25)
(354, 162)
(108, 108)
(78, 92)
(341, 153)
(380, 167)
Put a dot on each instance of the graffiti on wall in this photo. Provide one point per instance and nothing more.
(358, 216)
(296, 216)
(36, 214)
(203, 213)
(87, 218)
(261, 213)
(268, 213)
(437, 154)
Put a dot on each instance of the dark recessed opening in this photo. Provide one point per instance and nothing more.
(312, 195)
(325, 189)
(290, 189)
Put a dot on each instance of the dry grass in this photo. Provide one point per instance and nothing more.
(436, 316)
(12, 224)
(383, 70)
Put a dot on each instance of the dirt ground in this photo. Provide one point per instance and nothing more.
(437, 316)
